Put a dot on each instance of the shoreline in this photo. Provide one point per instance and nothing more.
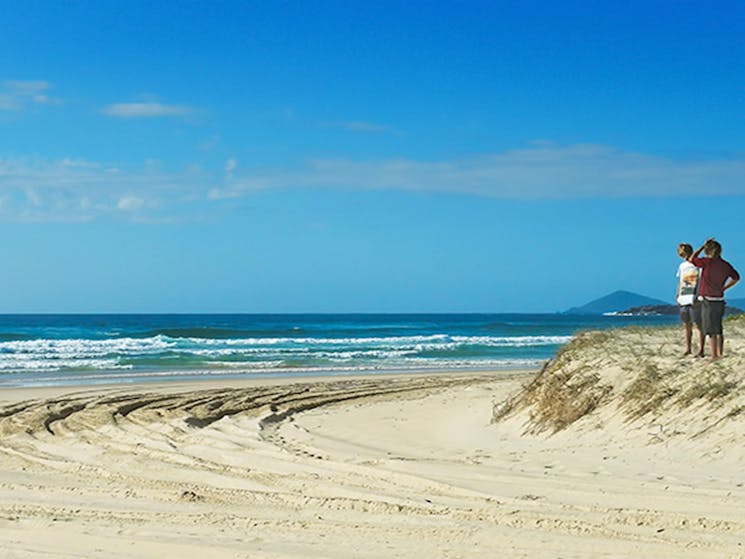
(92, 349)
(11, 394)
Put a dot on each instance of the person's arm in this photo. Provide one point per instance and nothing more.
(693, 258)
(700, 249)
(733, 278)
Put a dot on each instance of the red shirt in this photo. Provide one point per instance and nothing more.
(715, 272)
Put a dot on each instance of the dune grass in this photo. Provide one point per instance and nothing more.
(640, 371)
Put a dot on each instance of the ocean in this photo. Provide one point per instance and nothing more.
(46, 350)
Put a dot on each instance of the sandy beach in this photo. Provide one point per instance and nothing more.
(372, 280)
(376, 466)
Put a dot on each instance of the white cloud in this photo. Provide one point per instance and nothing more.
(28, 88)
(74, 189)
(130, 203)
(225, 193)
(78, 190)
(15, 95)
(78, 163)
(34, 197)
(146, 110)
(230, 166)
(542, 171)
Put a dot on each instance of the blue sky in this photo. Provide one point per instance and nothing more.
(364, 156)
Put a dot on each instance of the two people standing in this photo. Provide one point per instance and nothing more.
(706, 308)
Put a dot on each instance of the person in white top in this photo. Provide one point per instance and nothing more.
(686, 296)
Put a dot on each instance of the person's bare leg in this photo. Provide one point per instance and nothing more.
(689, 334)
(721, 344)
(701, 342)
(714, 345)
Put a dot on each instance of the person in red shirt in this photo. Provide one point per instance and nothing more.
(717, 276)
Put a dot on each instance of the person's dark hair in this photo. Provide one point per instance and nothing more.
(713, 248)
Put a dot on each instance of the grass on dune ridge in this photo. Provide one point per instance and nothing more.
(637, 371)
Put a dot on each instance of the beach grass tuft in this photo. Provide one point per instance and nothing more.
(647, 392)
(637, 371)
(710, 388)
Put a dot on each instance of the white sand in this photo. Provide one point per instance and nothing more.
(370, 467)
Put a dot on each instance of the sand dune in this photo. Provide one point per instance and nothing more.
(381, 466)
(621, 380)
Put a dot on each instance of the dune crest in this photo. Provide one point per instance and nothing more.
(632, 378)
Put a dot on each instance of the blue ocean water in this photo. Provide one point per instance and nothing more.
(38, 350)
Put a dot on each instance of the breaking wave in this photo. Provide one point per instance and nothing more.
(163, 352)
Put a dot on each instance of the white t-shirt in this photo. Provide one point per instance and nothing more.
(688, 278)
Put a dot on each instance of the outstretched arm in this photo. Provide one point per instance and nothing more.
(699, 250)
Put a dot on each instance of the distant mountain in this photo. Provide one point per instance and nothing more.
(615, 302)
(740, 303)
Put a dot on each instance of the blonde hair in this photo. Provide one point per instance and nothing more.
(685, 250)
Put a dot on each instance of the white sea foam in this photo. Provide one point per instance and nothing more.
(119, 353)
(512, 341)
(87, 347)
(317, 341)
(26, 365)
(274, 370)
(427, 342)
(84, 347)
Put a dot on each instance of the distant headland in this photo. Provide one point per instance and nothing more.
(627, 303)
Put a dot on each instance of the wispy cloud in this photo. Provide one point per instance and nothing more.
(543, 170)
(146, 110)
(79, 190)
(15, 95)
(130, 203)
(75, 189)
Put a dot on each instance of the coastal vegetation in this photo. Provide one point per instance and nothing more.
(637, 374)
